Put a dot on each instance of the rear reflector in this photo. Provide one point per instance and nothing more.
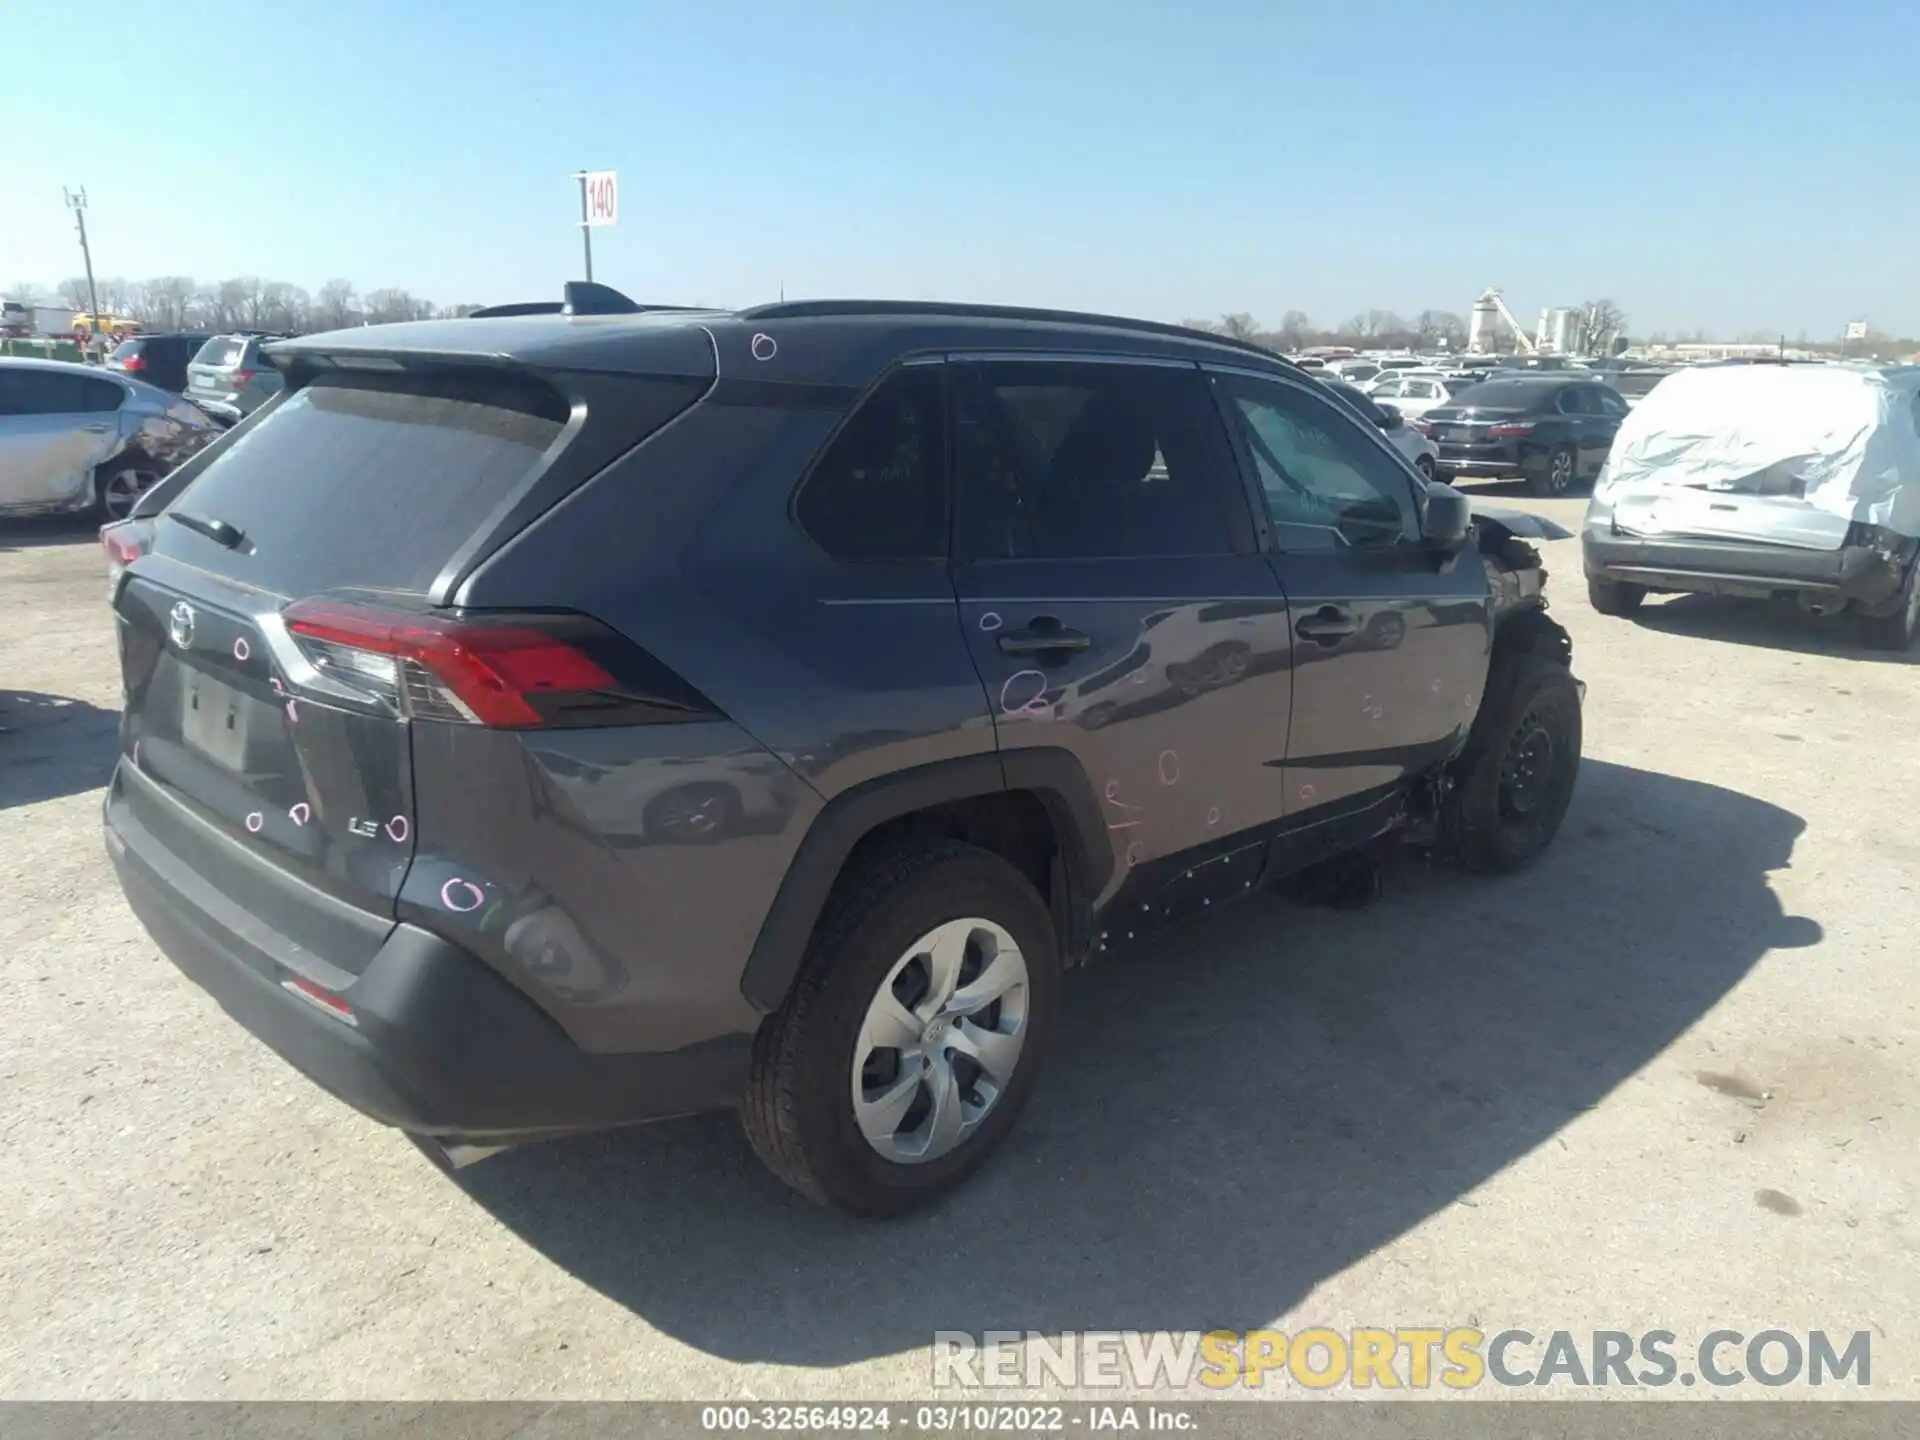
(520, 673)
(317, 995)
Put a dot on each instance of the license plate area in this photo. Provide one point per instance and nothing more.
(215, 720)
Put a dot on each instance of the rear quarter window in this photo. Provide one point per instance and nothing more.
(221, 350)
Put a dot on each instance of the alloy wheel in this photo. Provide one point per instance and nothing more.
(125, 487)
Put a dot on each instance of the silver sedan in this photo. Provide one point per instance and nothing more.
(74, 439)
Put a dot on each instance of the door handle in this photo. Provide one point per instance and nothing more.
(1328, 625)
(96, 429)
(1043, 636)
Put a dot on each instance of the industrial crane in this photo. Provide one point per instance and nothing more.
(1487, 308)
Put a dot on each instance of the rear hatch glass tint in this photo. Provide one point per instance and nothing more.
(376, 485)
(220, 351)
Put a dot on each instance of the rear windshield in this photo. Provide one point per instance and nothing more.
(366, 485)
(221, 350)
(1519, 394)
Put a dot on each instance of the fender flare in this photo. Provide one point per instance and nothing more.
(1055, 775)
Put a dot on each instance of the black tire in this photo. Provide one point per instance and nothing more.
(1615, 597)
(113, 484)
(798, 1110)
(1491, 823)
(1563, 466)
(1897, 631)
(1424, 464)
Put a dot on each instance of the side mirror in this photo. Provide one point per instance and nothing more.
(1447, 518)
(1390, 417)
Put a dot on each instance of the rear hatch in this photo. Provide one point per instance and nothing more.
(210, 374)
(1763, 509)
(1469, 429)
(266, 732)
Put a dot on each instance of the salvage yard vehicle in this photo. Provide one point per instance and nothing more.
(76, 440)
(1549, 429)
(1765, 481)
(843, 591)
(229, 379)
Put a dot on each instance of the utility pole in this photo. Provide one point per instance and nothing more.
(77, 202)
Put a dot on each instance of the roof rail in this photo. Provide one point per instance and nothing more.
(816, 309)
(525, 307)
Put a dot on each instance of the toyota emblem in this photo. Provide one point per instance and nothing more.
(180, 624)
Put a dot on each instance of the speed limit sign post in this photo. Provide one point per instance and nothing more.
(599, 205)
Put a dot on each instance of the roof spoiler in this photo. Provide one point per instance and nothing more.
(578, 297)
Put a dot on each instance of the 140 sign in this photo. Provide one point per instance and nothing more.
(601, 197)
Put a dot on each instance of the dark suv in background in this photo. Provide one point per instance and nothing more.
(159, 359)
(569, 717)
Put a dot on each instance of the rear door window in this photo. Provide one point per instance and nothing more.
(1080, 461)
(375, 486)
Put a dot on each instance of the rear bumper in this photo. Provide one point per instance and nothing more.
(1446, 466)
(1855, 574)
(439, 1044)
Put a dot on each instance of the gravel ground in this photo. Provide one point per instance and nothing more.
(1663, 1081)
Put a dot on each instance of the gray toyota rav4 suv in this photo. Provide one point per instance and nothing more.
(581, 714)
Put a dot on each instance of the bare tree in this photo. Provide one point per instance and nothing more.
(285, 307)
(165, 301)
(1600, 321)
(1435, 326)
(336, 307)
(460, 312)
(386, 306)
(74, 292)
(24, 291)
(1295, 329)
(1240, 325)
(1207, 325)
(249, 301)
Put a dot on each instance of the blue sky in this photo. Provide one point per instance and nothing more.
(1707, 164)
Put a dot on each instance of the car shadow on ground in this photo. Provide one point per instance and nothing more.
(39, 532)
(1229, 1118)
(1771, 625)
(52, 746)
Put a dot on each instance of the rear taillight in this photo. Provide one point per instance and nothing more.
(1509, 432)
(124, 541)
(510, 672)
(1425, 427)
(242, 379)
(134, 362)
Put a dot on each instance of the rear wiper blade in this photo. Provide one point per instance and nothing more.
(218, 531)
